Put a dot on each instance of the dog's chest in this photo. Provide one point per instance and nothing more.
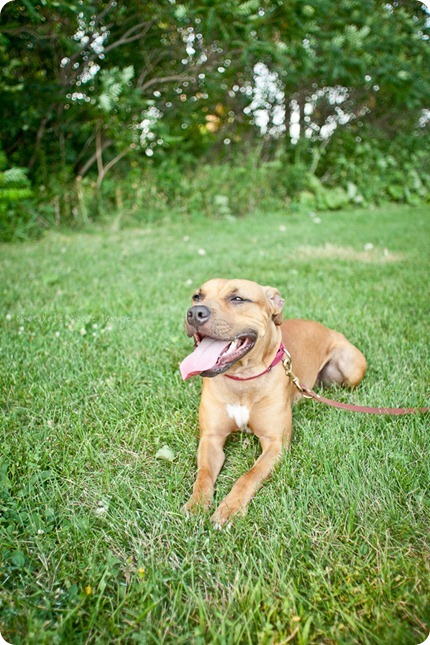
(240, 415)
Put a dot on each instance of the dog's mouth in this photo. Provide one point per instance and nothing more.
(212, 356)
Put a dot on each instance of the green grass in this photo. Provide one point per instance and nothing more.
(94, 548)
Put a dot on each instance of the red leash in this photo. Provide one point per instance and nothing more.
(310, 394)
(283, 355)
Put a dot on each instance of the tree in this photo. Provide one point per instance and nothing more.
(85, 84)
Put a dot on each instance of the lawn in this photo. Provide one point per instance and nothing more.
(94, 547)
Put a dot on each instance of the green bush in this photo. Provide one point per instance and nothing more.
(238, 186)
(374, 171)
(213, 190)
(17, 217)
(348, 174)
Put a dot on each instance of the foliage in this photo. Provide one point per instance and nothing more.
(89, 89)
(379, 180)
(226, 190)
(242, 184)
(372, 171)
(16, 217)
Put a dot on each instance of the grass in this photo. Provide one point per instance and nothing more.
(94, 548)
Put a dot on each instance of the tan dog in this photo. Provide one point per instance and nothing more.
(237, 328)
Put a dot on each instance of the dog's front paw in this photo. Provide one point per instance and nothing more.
(225, 513)
(196, 503)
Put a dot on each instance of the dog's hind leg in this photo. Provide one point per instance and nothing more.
(346, 365)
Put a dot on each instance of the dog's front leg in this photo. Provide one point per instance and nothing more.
(210, 458)
(246, 486)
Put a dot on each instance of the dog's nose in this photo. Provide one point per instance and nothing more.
(198, 315)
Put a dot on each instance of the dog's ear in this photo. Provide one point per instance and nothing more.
(276, 303)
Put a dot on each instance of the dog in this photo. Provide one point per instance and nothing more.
(238, 329)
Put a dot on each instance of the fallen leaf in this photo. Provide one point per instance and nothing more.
(165, 453)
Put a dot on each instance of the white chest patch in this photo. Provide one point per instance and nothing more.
(239, 414)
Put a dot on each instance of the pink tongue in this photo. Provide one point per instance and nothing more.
(203, 357)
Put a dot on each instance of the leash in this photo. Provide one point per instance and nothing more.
(284, 355)
(310, 394)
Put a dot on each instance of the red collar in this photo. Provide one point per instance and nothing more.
(276, 360)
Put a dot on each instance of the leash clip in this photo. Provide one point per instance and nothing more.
(288, 367)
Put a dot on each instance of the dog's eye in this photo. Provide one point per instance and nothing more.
(238, 299)
(197, 297)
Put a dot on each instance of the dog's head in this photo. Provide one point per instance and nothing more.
(227, 319)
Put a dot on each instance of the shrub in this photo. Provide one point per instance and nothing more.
(17, 217)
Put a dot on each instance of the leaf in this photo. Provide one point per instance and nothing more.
(114, 81)
(18, 559)
(352, 190)
(180, 12)
(335, 198)
(307, 199)
(247, 8)
(165, 453)
(396, 192)
(221, 200)
(50, 278)
(16, 176)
